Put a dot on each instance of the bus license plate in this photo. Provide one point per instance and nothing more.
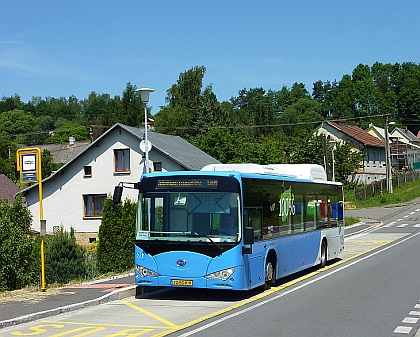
(187, 283)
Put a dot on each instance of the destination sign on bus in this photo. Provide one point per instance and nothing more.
(190, 183)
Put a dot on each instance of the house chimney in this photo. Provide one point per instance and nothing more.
(71, 140)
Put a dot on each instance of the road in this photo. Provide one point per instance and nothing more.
(373, 290)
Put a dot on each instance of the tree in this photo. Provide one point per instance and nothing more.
(17, 124)
(208, 111)
(301, 117)
(305, 149)
(64, 258)
(364, 91)
(17, 266)
(187, 91)
(319, 93)
(64, 129)
(173, 121)
(132, 106)
(346, 161)
(11, 103)
(244, 104)
(341, 98)
(8, 159)
(186, 96)
(219, 143)
(47, 164)
(116, 237)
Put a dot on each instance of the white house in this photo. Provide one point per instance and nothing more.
(73, 196)
(404, 146)
(374, 164)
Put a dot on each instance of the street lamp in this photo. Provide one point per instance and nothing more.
(144, 93)
(332, 144)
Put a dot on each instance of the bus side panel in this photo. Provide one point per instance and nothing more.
(335, 241)
(297, 252)
(284, 248)
(306, 247)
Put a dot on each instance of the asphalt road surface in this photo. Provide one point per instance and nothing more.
(372, 290)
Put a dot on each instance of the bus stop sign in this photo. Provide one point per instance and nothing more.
(28, 164)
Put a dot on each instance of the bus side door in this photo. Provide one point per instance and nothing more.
(254, 262)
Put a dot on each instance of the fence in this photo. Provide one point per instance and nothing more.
(374, 188)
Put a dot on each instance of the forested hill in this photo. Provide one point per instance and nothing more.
(260, 125)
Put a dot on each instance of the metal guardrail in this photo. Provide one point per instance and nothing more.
(369, 191)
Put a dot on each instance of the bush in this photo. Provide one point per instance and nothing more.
(91, 260)
(116, 237)
(64, 258)
(18, 265)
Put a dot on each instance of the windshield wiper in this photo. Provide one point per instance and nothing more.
(213, 242)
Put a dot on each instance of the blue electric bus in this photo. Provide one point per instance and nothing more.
(235, 226)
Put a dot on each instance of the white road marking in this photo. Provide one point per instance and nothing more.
(410, 320)
(403, 329)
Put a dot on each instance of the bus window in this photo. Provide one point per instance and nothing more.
(253, 218)
(323, 215)
(312, 212)
(201, 223)
(299, 217)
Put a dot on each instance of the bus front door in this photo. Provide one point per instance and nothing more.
(254, 260)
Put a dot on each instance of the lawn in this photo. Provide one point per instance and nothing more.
(401, 194)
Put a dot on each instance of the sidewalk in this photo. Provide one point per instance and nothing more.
(29, 306)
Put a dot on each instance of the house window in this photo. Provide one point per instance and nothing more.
(94, 204)
(122, 160)
(88, 171)
(157, 166)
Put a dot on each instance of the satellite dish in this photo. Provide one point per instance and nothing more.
(143, 146)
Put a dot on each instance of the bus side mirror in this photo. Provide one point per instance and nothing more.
(249, 236)
(116, 198)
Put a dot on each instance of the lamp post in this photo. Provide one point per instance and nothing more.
(332, 144)
(144, 92)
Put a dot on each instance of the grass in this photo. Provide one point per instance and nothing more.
(350, 221)
(401, 194)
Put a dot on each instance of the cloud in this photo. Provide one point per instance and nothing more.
(28, 61)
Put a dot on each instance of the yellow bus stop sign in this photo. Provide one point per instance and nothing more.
(28, 162)
(29, 165)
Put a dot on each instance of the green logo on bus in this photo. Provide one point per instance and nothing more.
(287, 204)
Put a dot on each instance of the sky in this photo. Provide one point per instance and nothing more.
(63, 48)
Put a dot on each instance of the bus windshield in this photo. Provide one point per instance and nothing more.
(189, 216)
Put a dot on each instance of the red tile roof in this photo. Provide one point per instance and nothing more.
(8, 188)
(358, 134)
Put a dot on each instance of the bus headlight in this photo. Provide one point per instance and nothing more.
(221, 274)
(144, 272)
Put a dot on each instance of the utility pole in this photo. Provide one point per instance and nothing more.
(325, 155)
(388, 158)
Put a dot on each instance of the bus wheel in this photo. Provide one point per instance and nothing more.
(270, 274)
(323, 262)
